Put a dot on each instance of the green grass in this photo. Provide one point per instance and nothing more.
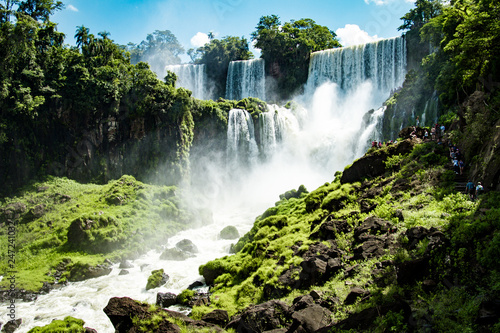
(121, 219)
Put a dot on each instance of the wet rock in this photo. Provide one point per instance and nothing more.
(262, 317)
(165, 300)
(124, 272)
(355, 294)
(195, 284)
(175, 254)
(89, 330)
(125, 264)
(121, 311)
(80, 272)
(187, 246)
(12, 325)
(157, 279)
(229, 232)
(217, 317)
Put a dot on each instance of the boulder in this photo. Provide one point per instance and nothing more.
(311, 319)
(126, 264)
(217, 317)
(229, 232)
(354, 294)
(157, 279)
(175, 254)
(121, 311)
(187, 246)
(12, 325)
(262, 317)
(165, 300)
(330, 228)
(370, 249)
(81, 272)
(372, 165)
(371, 226)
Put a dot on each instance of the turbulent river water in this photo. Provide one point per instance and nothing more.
(87, 299)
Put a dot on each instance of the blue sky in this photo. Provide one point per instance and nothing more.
(354, 21)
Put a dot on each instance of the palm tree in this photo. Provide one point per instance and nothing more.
(82, 36)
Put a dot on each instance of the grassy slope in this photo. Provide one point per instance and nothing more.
(127, 218)
(427, 198)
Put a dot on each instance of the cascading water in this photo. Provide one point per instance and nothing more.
(246, 78)
(241, 145)
(382, 62)
(192, 77)
(275, 126)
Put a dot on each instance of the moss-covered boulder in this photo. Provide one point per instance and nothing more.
(157, 279)
(68, 325)
(229, 232)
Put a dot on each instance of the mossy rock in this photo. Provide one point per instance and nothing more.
(229, 232)
(81, 272)
(68, 325)
(157, 279)
(174, 254)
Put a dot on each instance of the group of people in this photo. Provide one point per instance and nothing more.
(472, 190)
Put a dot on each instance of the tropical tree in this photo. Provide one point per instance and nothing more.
(286, 48)
(161, 48)
(217, 55)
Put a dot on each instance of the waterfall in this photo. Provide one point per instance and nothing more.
(246, 78)
(382, 62)
(192, 77)
(241, 145)
(275, 126)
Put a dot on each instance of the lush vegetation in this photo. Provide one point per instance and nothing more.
(217, 55)
(63, 228)
(418, 193)
(287, 47)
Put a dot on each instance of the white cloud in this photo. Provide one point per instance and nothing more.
(72, 8)
(386, 2)
(352, 34)
(199, 39)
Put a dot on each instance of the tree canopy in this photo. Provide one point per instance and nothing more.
(161, 48)
(217, 55)
(286, 48)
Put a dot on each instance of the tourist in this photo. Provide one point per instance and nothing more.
(470, 189)
(433, 133)
(418, 121)
(479, 189)
(456, 166)
(426, 135)
(461, 164)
